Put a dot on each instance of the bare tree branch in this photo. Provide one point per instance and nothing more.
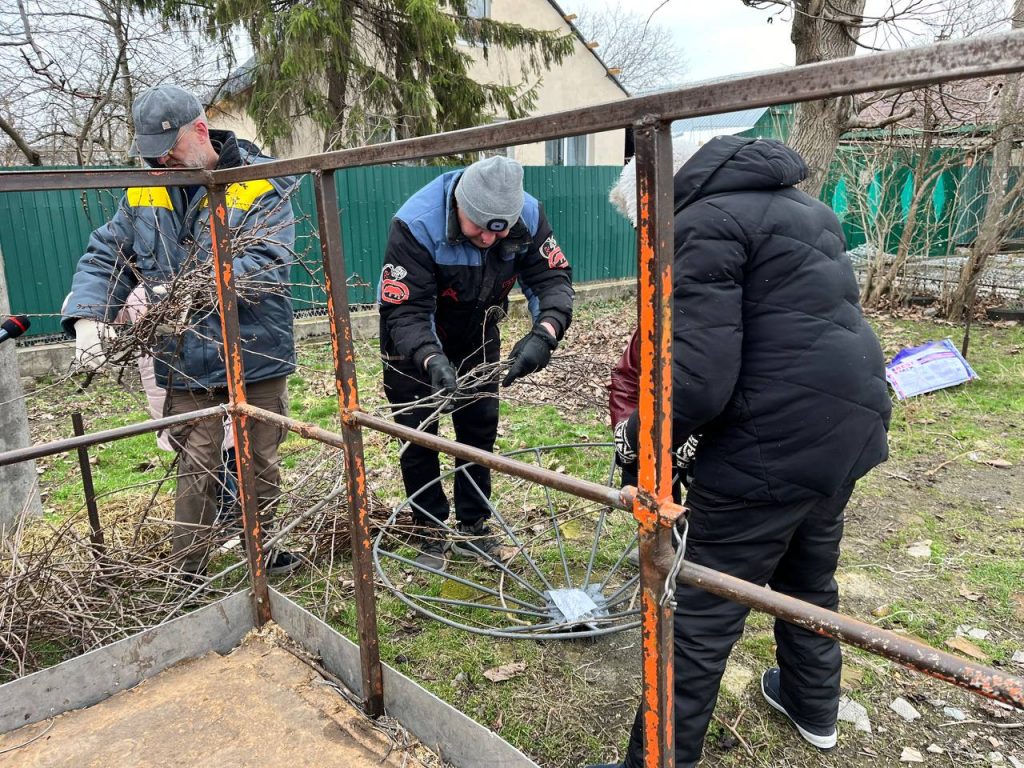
(860, 123)
(32, 156)
(644, 54)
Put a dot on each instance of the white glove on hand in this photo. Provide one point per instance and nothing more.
(89, 338)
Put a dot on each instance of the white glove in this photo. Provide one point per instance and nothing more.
(89, 338)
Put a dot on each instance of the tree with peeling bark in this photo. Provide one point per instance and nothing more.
(824, 30)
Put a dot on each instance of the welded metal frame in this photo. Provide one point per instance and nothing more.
(651, 504)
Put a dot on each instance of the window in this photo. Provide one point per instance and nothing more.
(571, 151)
(479, 9)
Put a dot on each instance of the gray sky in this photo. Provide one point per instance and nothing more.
(723, 37)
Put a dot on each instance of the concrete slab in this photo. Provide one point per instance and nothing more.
(257, 706)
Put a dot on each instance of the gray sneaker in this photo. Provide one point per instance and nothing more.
(431, 545)
(478, 541)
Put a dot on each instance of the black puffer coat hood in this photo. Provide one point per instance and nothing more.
(773, 360)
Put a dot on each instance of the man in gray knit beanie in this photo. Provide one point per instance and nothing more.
(490, 193)
(456, 249)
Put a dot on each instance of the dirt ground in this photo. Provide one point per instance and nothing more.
(874, 576)
(975, 514)
(258, 706)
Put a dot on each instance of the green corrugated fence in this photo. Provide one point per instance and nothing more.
(43, 234)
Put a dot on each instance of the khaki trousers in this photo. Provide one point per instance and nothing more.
(200, 456)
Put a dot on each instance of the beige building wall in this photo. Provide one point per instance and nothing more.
(580, 81)
(307, 137)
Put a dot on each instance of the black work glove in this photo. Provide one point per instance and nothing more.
(530, 354)
(443, 379)
(626, 441)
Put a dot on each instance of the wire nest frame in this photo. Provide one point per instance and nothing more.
(566, 570)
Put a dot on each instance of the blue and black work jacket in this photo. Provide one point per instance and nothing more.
(158, 232)
(438, 292)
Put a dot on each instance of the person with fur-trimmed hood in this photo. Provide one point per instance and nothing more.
(776, 368)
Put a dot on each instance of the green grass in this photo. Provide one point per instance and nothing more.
(970, 417)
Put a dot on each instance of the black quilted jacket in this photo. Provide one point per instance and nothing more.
(773, 360)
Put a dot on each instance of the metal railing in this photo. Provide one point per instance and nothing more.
(651, 504)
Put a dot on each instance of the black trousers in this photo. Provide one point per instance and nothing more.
(794, 548)
(475, 419)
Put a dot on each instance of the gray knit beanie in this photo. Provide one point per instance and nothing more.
(490, 193)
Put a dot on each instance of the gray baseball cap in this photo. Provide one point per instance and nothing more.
(159, 112)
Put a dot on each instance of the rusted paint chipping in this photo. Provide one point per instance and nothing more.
(235, 370)
(329, 218)
(985, 56)
(911, 653)
(653, 151)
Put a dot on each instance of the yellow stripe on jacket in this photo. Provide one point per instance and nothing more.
(149, 197)
(243, 194)
(239, 196)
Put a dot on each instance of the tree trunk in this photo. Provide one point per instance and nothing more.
(822, 30)
(31, 155)
(18, 482)
(994, 225)
(337, 86)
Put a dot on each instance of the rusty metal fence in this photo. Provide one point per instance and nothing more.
(651, 504)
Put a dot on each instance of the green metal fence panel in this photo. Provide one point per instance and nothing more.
(872, 196)
(599, 243)
(43, 234)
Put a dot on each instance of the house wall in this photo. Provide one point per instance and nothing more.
(581, 80)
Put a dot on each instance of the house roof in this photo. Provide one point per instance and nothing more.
(567, 18)
(952, 105)
(726, 122)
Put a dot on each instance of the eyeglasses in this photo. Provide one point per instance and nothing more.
(156, 161)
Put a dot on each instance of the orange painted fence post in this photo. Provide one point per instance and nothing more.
(220, 235)
(654, 238)
(329, 218)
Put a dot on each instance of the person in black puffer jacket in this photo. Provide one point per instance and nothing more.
(777, 369)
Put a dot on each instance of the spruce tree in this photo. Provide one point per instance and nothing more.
(360, 68)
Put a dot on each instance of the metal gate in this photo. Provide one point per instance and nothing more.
(651, 504)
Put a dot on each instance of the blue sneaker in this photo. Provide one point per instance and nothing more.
(822, 738)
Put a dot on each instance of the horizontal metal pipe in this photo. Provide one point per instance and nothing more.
(910, 653)
(106, 436)
(20, 181)
(951, 60)
(602, 494)
(942, 62)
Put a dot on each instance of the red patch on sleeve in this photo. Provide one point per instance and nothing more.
(393, 291)
(552, 251)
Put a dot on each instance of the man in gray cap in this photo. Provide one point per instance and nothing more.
(160, 234)
(455, 250)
